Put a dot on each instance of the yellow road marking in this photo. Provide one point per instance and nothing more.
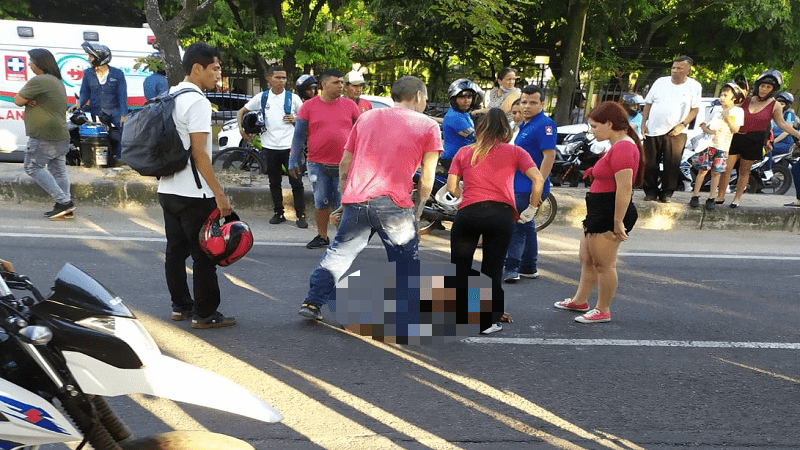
(756, 369)
(423, 437)
(319, 423)
(506, 397)
(508, 421)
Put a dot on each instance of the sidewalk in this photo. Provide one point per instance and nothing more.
(123, 187)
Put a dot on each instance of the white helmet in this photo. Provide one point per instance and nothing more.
(447, 200)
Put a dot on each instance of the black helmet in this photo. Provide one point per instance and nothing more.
(785, 97)
(101, 53)
(738, 93)
(304, 83)
(461, 85)
(772, 77)
(78, 117)
(251, 124)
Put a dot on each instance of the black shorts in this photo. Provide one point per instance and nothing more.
(748, 146)
(600, 213)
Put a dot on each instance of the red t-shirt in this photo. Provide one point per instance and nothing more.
(364, 105)
(328, 126)
(624, 154)
(492, 178)
(387, 146)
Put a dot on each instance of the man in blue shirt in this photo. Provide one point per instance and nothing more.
(537, 135)
(458, 128)
(104, 88)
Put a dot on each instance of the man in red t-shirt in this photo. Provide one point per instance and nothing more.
(325, 122)
(380, 157)
(354, 87)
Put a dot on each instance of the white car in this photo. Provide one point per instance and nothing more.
(229, 135)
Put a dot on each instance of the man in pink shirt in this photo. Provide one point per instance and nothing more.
(325, 122)
(381, 155)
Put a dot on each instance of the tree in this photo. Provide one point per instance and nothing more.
(168, 31)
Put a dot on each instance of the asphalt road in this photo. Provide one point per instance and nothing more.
(702, 350)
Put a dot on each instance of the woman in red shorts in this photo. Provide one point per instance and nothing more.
(610, 213)
(747, 146)
(487, 208)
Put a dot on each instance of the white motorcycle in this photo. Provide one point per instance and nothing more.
(61, 353)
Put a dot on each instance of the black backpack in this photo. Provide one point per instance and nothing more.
(150, 142)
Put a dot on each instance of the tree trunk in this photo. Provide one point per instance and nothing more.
(168, 31)
(572, 56)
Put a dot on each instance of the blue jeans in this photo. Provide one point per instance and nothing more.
(325, 183)
(523, 250)
(52, 154)
(396, 226)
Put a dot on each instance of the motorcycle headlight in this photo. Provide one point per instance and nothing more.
(129, 330)
(572, 147)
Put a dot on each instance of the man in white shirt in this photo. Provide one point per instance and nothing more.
(190, 195)
(670, 106)
(276, 141)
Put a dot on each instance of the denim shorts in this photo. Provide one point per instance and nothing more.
(325, 182)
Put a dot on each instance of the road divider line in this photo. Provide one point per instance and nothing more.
(510, 422)
(756, 369)
(508, 397)
(703, 255)
(633, 343)
(420, 435)
(319, 423)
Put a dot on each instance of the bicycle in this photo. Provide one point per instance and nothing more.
(245, 159)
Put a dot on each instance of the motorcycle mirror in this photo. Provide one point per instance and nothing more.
(36, 335)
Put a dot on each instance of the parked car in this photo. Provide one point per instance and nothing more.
(229, 135)
(226, 104)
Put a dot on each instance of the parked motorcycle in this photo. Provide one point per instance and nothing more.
(438, 209)
(777, 181)
(60, 353)
(580, 153)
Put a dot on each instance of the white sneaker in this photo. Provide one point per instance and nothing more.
(492, 329)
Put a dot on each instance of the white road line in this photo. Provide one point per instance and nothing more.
(633, 343)
(704, 255)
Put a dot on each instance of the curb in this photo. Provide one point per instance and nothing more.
(112, 187)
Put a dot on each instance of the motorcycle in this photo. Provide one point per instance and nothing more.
(61, 353)
(778, 180)
(438, 208)
(580, 153)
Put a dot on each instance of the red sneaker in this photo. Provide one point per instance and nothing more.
(568, 304)
(594, 316)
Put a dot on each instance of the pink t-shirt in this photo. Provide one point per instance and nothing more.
(387, 146)
(492, 178)
(624, 154)
(328, 126)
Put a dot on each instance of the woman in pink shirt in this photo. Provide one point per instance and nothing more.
(487, 208)
(610, 214)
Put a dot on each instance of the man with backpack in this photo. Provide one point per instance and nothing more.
(189, 195)
(277, 108)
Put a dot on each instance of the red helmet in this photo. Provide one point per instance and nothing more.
(226, 243)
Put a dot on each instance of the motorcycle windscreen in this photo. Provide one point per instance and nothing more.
(76, 295)
(170, 378)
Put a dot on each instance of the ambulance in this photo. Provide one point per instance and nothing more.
(64, 42)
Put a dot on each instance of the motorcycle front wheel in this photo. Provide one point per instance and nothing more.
(546, 212)
(187, 440)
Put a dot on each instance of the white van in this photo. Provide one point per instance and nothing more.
(64, 42)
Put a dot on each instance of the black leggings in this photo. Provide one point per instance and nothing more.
(493, 221)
